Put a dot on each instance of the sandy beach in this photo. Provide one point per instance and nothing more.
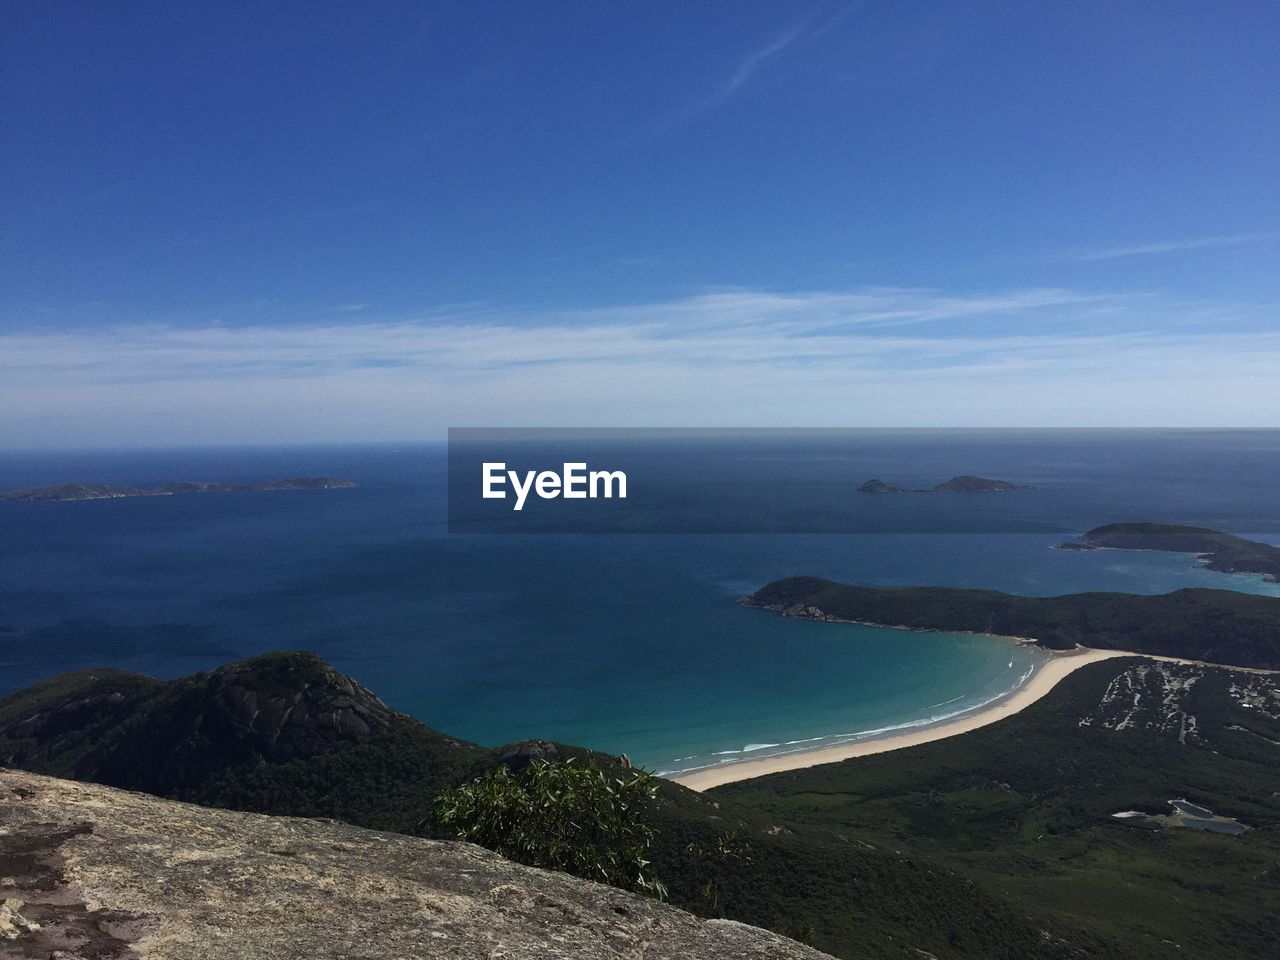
(1045, 678)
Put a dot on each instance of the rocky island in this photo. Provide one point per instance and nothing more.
(110, 491)
(1220, 551)
(960, 484)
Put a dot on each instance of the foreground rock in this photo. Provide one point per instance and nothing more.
(92, 872)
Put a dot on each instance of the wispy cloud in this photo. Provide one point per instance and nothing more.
(863, 357)
(752, 62)
(811, 27)
(757, 58)
(1174, 246)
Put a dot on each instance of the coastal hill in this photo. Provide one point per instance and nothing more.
(287, 734)
(961, 484)
(108, 491)
(1223, 552)
(280, 733)
(1220, 626)
(82, 863)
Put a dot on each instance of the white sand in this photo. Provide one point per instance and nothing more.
(1045, 678)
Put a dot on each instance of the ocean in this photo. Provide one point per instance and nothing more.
(624, 642)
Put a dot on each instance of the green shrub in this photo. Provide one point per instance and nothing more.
(562, 816)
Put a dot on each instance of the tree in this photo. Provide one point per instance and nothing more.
(714, 863)
(562, 816)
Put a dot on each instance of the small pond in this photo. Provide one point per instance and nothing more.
(1185, 814)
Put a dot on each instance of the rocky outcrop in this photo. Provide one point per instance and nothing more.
(516, 756)
(88, 871)
(300, 709)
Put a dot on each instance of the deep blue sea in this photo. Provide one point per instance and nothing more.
(623, 642)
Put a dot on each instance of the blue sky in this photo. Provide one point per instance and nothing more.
(257, 223)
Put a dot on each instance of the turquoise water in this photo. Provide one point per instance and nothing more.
(626, 643)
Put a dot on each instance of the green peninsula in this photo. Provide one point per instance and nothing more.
(1219, 626)
(1223, 552)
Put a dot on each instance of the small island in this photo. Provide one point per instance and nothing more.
(109, 491)
(960, 484)
(1223, 552)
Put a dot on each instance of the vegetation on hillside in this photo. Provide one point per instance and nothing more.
(282, 733)
(1221, 551)
(1024, 808)
(998, 845)
(207, 739)
(1220, 626)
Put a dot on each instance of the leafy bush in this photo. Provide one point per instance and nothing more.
(714, 862)
(562, 816)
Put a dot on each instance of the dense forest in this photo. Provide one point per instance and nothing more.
(1025, 807)
(1221, 551)
(1220, 626)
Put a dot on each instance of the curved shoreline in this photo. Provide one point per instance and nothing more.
(1047, 676)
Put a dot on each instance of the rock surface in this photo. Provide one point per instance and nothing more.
(92, 873)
